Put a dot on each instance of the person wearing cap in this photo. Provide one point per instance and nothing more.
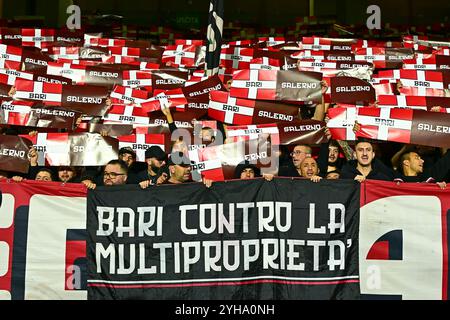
(179, 168)
(333, 175)
(155, 158)
(127, 155)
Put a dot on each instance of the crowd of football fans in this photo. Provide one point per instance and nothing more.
(360, 160)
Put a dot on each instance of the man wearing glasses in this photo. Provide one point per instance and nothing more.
(300, 153)
(114, 174)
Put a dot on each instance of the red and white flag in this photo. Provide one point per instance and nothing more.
(74, 72)
(324, 55)
(373, 54)
(149, 66)
(385, 124)
(400, 101)
(41, 91)
(80, 62)
(254, 84)
(125, 52)
(206, 165)
(442, 51)
(271, 41)
(9, 76)
(341, 123)
(104, 42)
(141, 142)
(265, 63)
(240, 43)
(426, 83)
(318, 44)
(53, 148)
(169, 98)
(182, 55)
(10, 57)
(384, 57)
(40, 38)
(283, 85)
(121, 60)
(70, 53)
(15, 113)
(185, 42)
(251, 132)
(368, 43)
(236, 57)
(124, 95)
(414, 102)
(138, 79)
(230, 110)
(435, 62)
(126, 115)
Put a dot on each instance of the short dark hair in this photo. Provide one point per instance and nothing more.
(127, 150)
(405, 156)
(48, 170)
(363, 140)
(334, 143)
(121, 163)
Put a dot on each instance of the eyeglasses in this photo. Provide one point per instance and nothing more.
(297, 153)
(112, 174)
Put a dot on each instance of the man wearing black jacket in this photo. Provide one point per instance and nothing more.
(412, 168)
(155, 158)
(364, 167)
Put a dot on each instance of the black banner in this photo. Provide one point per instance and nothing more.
(288, 239)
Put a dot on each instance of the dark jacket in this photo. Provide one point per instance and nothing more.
(350, 171)
(435, 173)
(288, 171)
(322, 160)
(138, 177)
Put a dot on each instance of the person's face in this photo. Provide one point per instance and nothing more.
(127, 158)
(180, 146)
(309, 168)
(155, 164)
(180, 173)
(43, 176)
(364, 153)
(333, 176)
(299, 154)
(333, 154)
(65, 175)
(247, 173)
(206, 136)
(415, 163)
(114, 175)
